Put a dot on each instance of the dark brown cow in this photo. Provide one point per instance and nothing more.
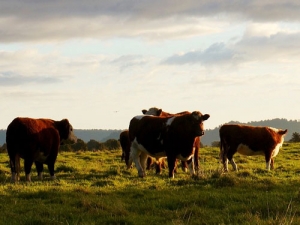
(249, 140)
(171, 137)
(158, 112)
(35, 140)
(125, 144)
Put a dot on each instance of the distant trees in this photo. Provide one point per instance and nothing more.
(295, 137)
(91, 145)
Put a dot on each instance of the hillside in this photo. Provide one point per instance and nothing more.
(210, 134)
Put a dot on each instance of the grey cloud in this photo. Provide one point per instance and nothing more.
(60, 20)
(249, 48)
(12, 79)
(43, 9)
(127, 61)
(216, 53)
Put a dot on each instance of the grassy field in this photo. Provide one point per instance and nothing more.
(96, 188)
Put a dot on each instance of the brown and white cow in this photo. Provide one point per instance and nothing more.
(171, 137)
(125, 145)
(249, 140)
(159, 112)
(36, 141)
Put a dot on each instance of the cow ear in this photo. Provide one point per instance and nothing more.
(159, 112)
(206, 116)
(144, 111)
(282, 132)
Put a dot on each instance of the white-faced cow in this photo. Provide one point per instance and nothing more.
(171, 137)
(159, 112)
(36, 141)
(249, 140)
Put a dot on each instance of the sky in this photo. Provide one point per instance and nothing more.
(99, 63)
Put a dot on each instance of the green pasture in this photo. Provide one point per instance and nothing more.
(96, 188)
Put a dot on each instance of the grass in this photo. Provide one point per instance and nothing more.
(96, 188)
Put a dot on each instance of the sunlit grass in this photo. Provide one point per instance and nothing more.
(96, 188)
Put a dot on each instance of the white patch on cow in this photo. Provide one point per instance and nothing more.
(276, 149)
(191, 166)
(170, 120)
(246, 150)
(180, 157)
(152, 111)
(143, 149)
(274, 129)
(268, 165)
(232, 162)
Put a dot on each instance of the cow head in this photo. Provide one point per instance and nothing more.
(66, 131)
(198, 119)
(152, 111)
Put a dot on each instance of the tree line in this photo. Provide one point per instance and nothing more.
(80, 145)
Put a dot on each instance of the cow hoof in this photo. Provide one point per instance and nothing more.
(142, 174)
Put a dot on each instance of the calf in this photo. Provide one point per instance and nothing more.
(158, 112)
(249, 140)
(171, 137)
(36, 141)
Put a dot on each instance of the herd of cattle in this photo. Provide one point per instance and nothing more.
(156, 133)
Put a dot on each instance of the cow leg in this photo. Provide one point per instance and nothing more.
(269, 162)
(184, 166)
(234, 166)
(27, 165)
(39, 168)
(149, 163)
(272, 163)
(143, 160)
(15, 168)
(191, 166)
(135, 157)
(51, 170)
(232, 162)
(171, 164)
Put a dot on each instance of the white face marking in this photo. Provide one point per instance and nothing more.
(72, 136)
(184, 158)
(152, 111)
(169, 121)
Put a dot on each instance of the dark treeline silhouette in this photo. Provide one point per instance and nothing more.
(211, 135)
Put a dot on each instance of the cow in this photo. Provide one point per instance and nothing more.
(159, 112)
(125, 145)
(171, 137)
(36, 141)
(249, 140)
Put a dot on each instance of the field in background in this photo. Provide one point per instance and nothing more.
(96, 188)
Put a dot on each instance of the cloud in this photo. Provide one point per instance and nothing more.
(217, 53)
(11, 79)
(49, 21)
